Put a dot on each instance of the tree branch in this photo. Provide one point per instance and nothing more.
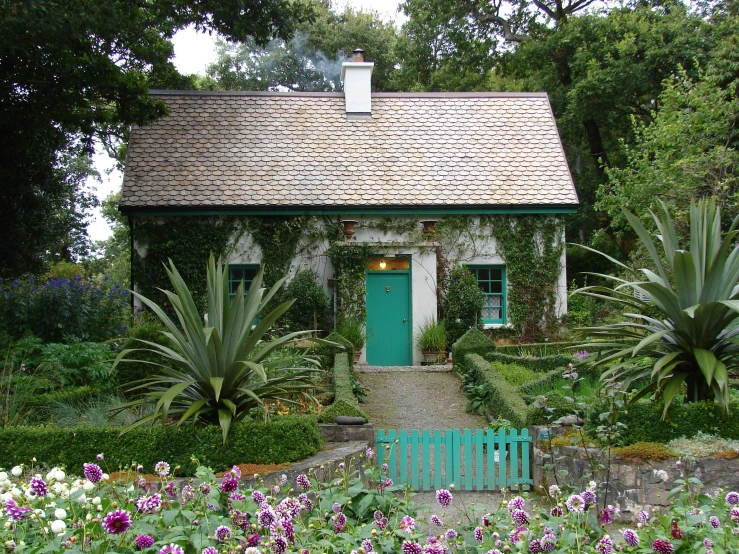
(505, 27)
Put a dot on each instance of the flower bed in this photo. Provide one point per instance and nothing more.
(54, 512)
(285, 439)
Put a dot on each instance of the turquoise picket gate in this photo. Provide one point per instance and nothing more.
(479, 460)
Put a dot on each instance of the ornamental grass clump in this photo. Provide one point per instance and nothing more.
(213, 370)
(336, 510)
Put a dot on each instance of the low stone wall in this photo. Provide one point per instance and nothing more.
(633, 486)
(331, 432)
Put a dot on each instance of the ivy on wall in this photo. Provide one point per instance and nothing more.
(278, 238)
(187, 241)
(350, 262)
(531, 247)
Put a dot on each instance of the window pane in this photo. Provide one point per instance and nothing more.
(237, 274)
(494, 300)
(483, 274)
(484, 286)
(496, 274)
(250, 273)
(496, 286)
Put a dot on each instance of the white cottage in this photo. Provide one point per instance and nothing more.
(388, 168)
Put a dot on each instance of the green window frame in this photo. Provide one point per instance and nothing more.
(238, 273)
(492, 281)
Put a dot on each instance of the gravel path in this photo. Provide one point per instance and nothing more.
(416, 398)
(426, 397)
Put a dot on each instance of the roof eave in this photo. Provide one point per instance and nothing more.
(486, 209)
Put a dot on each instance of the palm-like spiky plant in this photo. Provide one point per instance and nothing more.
(218, 374)
(695, 293)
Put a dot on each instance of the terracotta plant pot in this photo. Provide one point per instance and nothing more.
(357, 354)
(433, 356)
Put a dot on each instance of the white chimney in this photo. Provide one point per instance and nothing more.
(357, 78)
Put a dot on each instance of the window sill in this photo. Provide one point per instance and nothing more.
(497, 326)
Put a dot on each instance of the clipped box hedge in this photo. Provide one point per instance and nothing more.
(284, 439)
(548, 348)
(543, 364)
(473, 341)
(327, 354)
(644, 423)
(503, 400)
(345, 403)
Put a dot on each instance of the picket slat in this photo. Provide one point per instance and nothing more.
(393, 455)
(426, 465)
(414, 459)
(467, 441)
(437, 459)
(479, 467)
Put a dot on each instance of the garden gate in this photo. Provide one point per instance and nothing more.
(479, 460)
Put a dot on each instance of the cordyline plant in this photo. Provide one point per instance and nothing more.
(218, 374)
(694, 291)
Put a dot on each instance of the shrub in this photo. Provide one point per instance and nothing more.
(311, 308)
(340, 408)
(541, 384)
(59, 310)
(503, 399)
(345, 403)
(581, 309)
(462, 304)
(644, 423)
(146, 329)
(473, 341)
(557, 407)
(79, 364)
(285, 439)
(514, 374)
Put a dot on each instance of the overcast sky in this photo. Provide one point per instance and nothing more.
(193, 52)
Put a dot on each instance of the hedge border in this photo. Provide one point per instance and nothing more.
(644, 423)
(345, 403)
(328, 353)
(503, 400)
(542, 384)
(284, 439)
(543, 364)
(557, 346)
(473, 341)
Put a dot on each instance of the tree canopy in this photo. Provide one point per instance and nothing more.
(75, 70)
(311, 60)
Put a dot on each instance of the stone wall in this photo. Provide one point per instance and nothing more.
(633, 486)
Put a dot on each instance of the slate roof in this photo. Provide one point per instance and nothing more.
(258, 150)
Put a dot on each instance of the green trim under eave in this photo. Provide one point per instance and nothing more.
(352, 211)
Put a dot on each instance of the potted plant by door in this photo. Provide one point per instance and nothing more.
(432, 341)
(353, 331)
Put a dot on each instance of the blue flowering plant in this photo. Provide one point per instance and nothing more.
(63, 310)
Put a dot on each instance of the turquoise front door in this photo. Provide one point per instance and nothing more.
(388, 318)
